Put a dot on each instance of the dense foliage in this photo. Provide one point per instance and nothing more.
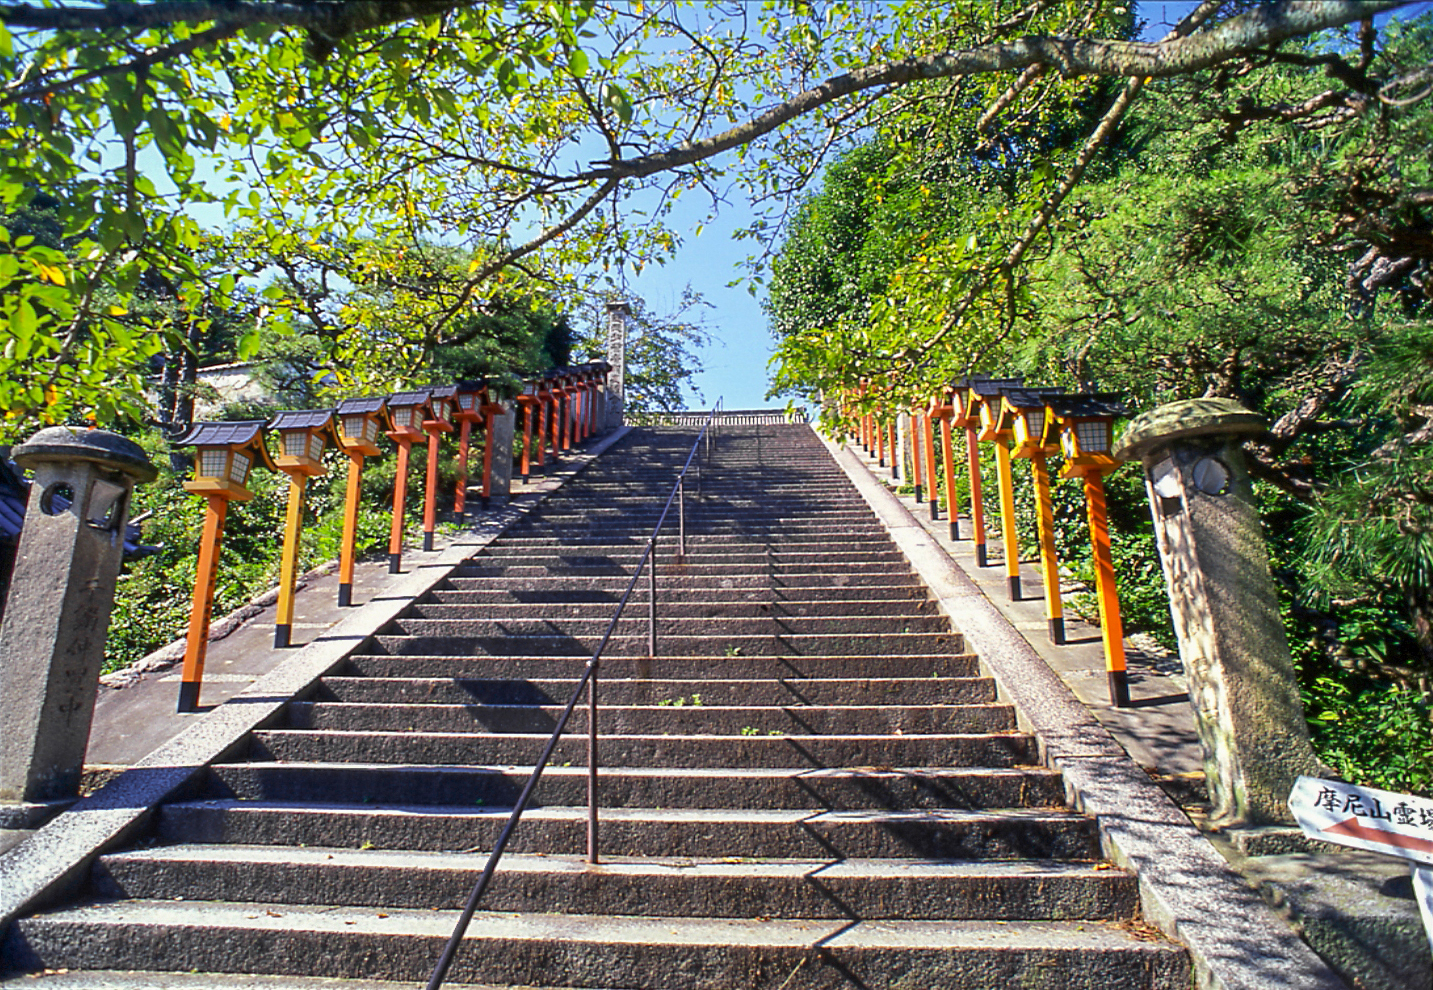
(1262, 236)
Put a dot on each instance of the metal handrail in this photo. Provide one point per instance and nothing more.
(587, 682)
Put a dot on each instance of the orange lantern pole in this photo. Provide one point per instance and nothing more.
(226, 454)
(442, 405)
(943, 408)
(528, 403)
(466, 413)
(927, 440)
(1026, 409)
(553, 413)
(359, 421)
(303, 434)
(1085, 424)
(967, 414)
(896, 457)
(409, 410)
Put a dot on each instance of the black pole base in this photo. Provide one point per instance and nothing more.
(1057, 631)
(427, 542)
(934, 510)
(919, 500)
(282, 632)
(1119, 689)
(880, 462)
(1014, 580)
(395, 563)
(188, 697)
(345, 595)
(954, 529)
(981, 560)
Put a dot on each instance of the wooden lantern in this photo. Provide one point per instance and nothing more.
(360, 421)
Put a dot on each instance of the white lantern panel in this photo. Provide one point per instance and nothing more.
(295, 443)
(315, 446)
(1094, 436)
(353, 427)
(415, 418)
(370, 429)
(1035, 419)
(239, 470)
(211, 463)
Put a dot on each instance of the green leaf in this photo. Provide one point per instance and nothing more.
(577, 63)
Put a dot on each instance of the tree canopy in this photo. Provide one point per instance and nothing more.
(520, 131)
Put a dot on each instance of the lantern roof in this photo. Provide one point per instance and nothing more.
(471, 385)
(241, 434)
(414, 397)
(990, 387)
(301, 419)
(442, 391)
(1088, 405)
(965, 381)
(1031, 398)
(363, 406)
(236, 433)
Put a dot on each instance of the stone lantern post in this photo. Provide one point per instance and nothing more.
(617, 314)
(1241, 679)
(52, 640)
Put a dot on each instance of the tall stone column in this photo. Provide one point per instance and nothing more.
(57, 615)
(1242, 684)
(617, 313)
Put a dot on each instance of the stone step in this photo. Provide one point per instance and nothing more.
(598, 950)
(663, 667)
(667, 580)
(440, 607)
(794, 644)
(786, 543)
(706, 555)
(609, 593)
(847, 789)
(689, 691)
(758, 748)
(111, 979)
(671, 622)
(629, 720)
(771, 569)
(995, 834)
(738, 887)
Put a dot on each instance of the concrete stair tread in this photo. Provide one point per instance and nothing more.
(763, 816)
(114, 979)
(197, 917)
(694, 773)
(539, 738)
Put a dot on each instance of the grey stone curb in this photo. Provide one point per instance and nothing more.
(53, 861)
(1187, 889)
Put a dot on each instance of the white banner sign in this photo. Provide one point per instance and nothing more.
(1365, 818)
(1423, 893)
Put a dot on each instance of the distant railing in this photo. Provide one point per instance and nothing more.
(588, 683)
(731, 417)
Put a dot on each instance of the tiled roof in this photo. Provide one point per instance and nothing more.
(1089, 404)
(366, 404)
(442, 391)
(993, 386)
(1031, 398)
(300, 419)
(416, 397)
(230, 434)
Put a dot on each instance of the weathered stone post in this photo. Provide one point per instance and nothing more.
(52, 640)
(617, 313)
(1241, 679)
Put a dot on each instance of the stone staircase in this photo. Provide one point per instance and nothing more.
(812, 786)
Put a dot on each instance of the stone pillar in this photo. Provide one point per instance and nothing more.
(52, 640)
(1241, 678)
(617, 313)
(503, 426)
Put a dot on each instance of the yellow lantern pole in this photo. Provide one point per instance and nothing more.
(977, 497)
(303, 433)
(288, 561)
(1004, 478)
(197, 643)
(1049, 565)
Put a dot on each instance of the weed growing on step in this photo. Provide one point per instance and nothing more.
(748, 730)
(682, 702)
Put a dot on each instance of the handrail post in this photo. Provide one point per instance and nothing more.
(681, 519)
(652, 600)
(595, 664)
